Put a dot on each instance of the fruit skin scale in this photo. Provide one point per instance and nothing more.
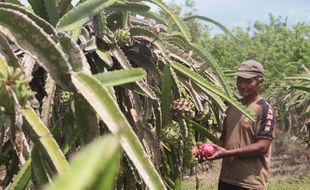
(195, 151)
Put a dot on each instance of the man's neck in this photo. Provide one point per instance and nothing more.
(250, 99)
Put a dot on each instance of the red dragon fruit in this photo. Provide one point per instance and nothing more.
(206, 150)
(202, 152)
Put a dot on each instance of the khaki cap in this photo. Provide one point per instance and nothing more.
(249, 69)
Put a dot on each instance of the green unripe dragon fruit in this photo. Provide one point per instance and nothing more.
(170, 133)
(122, 36)
(13, 80)
(182, 108)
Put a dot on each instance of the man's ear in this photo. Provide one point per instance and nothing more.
(261, 81)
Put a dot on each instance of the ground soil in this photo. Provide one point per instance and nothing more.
(289, 162)
(290, 159)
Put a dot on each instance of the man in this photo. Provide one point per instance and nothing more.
(245, 145)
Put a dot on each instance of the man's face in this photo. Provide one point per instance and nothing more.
(248, 87)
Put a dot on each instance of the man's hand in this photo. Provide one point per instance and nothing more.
(220, 152)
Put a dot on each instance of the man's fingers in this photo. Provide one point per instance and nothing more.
(213, 157)
(215, 146)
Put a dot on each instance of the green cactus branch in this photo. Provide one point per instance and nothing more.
(41, 134)
(33, 40)
(105, 105)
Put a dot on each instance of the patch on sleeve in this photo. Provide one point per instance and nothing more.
(267, 123)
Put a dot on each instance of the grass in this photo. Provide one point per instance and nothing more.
(290, 185)
(285, 185)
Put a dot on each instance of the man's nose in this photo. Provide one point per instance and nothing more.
(242, 84)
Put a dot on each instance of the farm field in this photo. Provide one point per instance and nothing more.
(117, 95)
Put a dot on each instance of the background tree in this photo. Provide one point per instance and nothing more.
(281, 49)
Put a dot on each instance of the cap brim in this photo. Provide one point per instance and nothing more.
(246, 75)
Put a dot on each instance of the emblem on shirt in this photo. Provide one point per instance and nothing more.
(269, 119)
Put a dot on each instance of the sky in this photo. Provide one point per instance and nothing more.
(243, 13)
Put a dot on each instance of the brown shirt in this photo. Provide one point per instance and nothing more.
(239, 131)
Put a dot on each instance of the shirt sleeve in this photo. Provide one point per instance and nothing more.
(266, 124)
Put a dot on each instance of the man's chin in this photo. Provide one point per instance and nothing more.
(243, 94)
